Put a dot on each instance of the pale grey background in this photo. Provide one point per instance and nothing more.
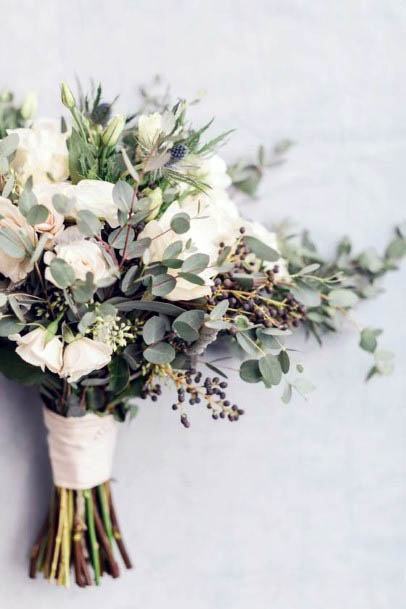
(298, 507)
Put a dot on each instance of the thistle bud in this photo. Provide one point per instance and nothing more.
(113, 130)
(67, 97)
(29, 107)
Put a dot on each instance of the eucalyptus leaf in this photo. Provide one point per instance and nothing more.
(123, 196)
(161, 353)
(196, 263)
(343, 298)
(172, 250)
(88, 223)
(163, 285)
(38, 214)
(250, 372)
(62, 204)
(10, 325)
(119, 375)
(180, 223)
(270, 369)
(192, 278)
(261, 250)
(8, 187)
(10, 244)
(368, 339)
(125, 305)
(154, 329)
(137, 248)
(220, 309)
(284, 361)
(62, 272)
(9, 144)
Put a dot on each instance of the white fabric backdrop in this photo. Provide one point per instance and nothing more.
(298, 507)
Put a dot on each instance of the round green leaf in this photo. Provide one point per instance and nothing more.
(163, 284)
(154, 329)
(249, 371)
(62, 272)
(196, 263)
(261, 250)
(180, 223)
(161, 353)
(270, 369)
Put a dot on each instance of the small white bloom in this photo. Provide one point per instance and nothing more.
(83, 356)
(258, 230)
(83, 256)
(11, 218)
(149, 128)
(42, 153)
(33, 348)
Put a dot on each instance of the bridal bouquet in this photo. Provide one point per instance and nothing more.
(123, 257)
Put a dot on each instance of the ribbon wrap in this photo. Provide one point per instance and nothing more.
(81, 449)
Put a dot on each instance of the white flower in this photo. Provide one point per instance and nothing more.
(54, 224)
(219, 221)
(15, 268)
(34, 349)
(83, 356)
(213, 171)
(97, 197)
(255, 229)
(149, 128)
(42, 153)
(162, 236)
(83, 256)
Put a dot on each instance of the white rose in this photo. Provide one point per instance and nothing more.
(83, 256)
(97, 197)
(162, 236)
(219, 221)
(149, 128)
(42, 153)
(255, 229)
(54, 224)
(83, 356)
(33, 348)
(15, 268)
(213, 171)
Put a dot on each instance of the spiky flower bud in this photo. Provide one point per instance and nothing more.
(67, 97)
(29, 107)
(114, 129)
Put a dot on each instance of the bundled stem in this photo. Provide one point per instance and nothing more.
(80, 531)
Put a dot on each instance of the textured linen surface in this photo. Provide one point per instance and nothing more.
(81, 449)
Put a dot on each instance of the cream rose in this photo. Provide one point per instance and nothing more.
(149, 128)
(213, 171)
(161, 235)
(42, 153)
(97, 197)
(34, 349)
(93, 195)
(15, 268)
(83, 356)
(83, 256)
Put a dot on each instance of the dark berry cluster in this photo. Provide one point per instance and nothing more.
(152, 391)
(265, 301)
(211, 391)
